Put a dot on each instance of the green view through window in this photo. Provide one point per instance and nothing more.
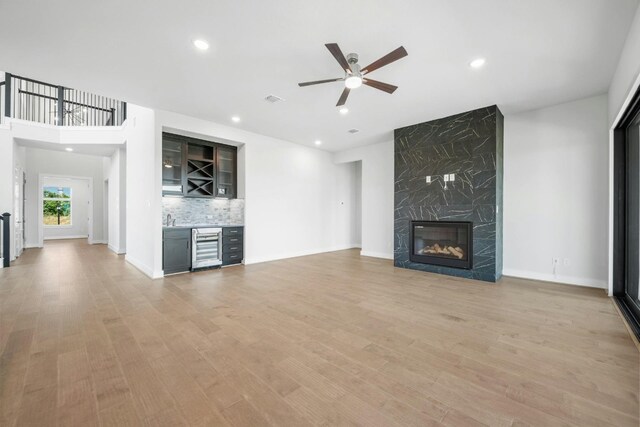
(56, 206)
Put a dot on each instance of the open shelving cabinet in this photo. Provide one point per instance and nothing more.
(206, 169)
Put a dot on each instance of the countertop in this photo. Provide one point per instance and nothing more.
(202, 226)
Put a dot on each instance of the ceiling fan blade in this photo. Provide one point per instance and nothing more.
(343, 97)
(379, 85)
(317, 82)
(386, 60)
(337, 53)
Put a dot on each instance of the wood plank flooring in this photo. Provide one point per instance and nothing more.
(330, 339)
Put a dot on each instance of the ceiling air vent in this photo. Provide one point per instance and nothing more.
(273, 99)
(353, 130)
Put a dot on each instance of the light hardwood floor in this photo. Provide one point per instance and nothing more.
(331, 339)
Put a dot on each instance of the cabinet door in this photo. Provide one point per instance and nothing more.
(172, 166)
(177, 254)
(226, 170)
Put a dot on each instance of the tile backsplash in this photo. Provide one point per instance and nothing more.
(195, 211)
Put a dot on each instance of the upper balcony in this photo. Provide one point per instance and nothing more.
(35, 101)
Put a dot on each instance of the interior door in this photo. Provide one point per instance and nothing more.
(18, 210)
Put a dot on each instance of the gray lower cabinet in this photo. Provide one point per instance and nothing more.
(176, 250)
(232, 245)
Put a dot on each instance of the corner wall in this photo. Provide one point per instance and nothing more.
(7, 151)
(556, 193)
(376, 197)
(115, 174)
(627, 71)
(143, 192)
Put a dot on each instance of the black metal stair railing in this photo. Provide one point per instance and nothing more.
(35, 101)
(6, 239)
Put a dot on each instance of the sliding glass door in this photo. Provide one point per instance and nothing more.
(632, 273)
(626, 254)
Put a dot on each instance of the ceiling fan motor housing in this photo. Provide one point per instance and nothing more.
(352, 59)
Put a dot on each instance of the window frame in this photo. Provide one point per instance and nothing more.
(58, 199)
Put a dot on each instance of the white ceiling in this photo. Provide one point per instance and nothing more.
(539, 52)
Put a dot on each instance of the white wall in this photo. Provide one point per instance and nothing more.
(556, 193)
(627, 71)
(143, 192)
(80, 196)
(49, 162)
(376, 198)
(357, 215)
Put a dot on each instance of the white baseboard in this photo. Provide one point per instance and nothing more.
(143, 267)
(257, 260)
(565, 280)
(118, 251)
(32, 245)
(97, 242)
(374, 254)
(65, 237)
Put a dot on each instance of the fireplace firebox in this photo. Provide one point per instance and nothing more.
(447, 243)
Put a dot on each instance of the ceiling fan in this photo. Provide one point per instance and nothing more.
(355, 76)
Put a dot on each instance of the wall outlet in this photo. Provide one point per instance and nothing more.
(428, 179)
(209, 216)
(446, 178)
(565, 262)
(555, 261)
(452, 177)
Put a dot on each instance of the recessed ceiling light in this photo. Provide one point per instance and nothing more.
(477, 63)
(201, 44)
(69, 149)
(343, 110)
(235, 119)
(318, 142)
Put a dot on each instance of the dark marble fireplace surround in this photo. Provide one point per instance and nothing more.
(469, 145)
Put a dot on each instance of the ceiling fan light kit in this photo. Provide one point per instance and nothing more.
(354, 75)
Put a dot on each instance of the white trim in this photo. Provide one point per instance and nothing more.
(66, 237)
(41, 178)
(565, 280)
(32, 245)
(115, 250)
(374, 254)
(634, 88)
(11, 120)
(98, 242)
(148, 271)
(257, 260)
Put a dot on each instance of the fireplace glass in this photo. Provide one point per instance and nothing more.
(442, 243)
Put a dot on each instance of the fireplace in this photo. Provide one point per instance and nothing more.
(447, 243)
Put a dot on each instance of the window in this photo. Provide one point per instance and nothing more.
(56, 206)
